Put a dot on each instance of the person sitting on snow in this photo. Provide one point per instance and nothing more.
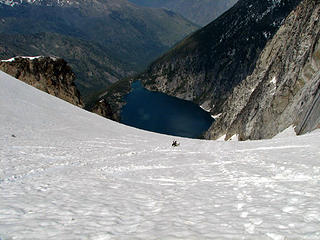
(175, 143)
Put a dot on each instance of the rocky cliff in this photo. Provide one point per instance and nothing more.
(284, 88)
(49, 74)
(205, 67)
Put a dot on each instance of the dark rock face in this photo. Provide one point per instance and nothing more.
(111, 102)
(49, 74)
(284, 88)
(205, 67)
(104, 109)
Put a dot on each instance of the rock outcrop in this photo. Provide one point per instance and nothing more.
(49, 74)
(104, 109)
(205, 67)
(284, 88)
(111, 102)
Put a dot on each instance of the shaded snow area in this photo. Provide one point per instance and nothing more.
(69, 174)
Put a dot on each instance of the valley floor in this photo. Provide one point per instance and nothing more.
(69, 174)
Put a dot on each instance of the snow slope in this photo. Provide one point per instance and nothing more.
(70, 174)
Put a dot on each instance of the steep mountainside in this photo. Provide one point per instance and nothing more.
(124, 32)
(205, 67)
(284, 88)
(49, 74)
(201, 12)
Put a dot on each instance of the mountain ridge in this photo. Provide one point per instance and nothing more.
(284, 88)
(206, 66)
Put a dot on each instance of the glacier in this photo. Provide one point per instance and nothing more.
(66, 173)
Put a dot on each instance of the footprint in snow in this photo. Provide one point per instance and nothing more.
(240, 206)
(256, 221)
(289, 209)
(275, 236)
(249, 227)
(244, 214)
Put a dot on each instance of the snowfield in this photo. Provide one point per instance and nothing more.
(69, 174)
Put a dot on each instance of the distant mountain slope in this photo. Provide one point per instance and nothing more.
(284, 88)
(206, 66)
(129, 34)
(201, 12)
(136, 34)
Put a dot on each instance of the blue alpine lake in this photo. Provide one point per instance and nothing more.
(158, 112)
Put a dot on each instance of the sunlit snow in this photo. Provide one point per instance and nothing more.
(216, 116)
(69, 174)
(25, 57)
